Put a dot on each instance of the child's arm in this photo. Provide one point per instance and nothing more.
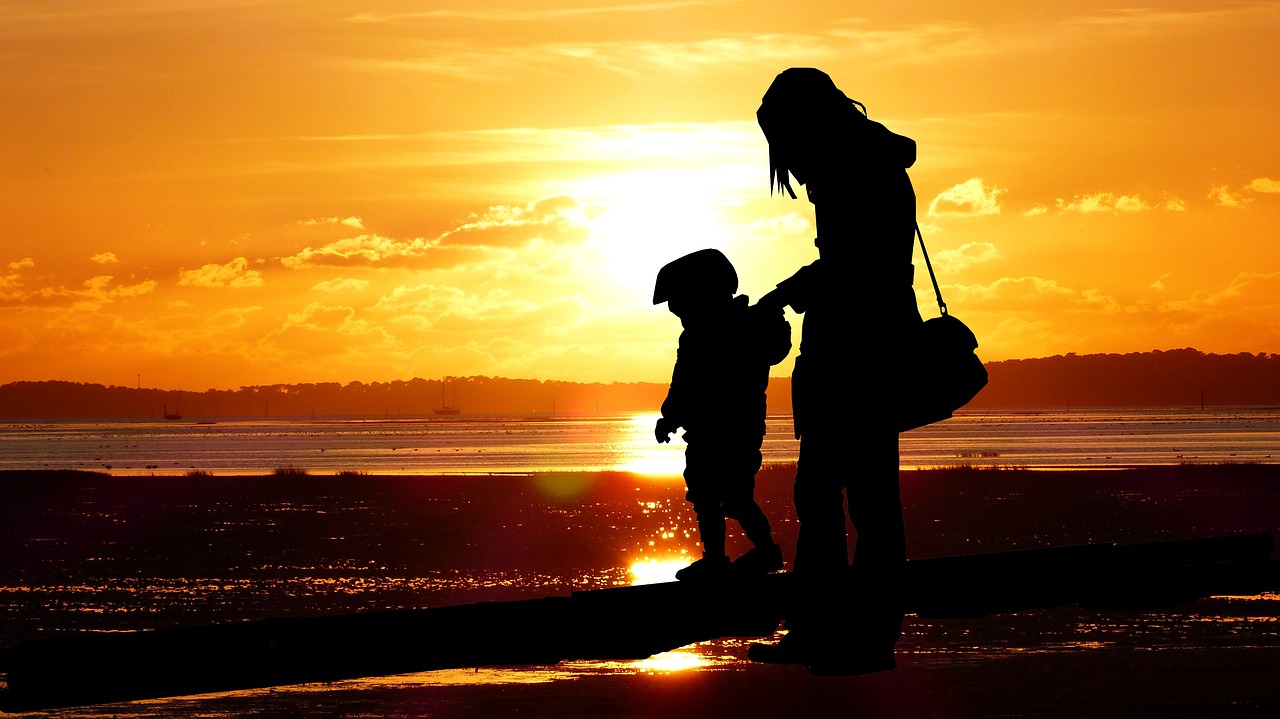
(796, 290)
(673, 406)
(772, 333)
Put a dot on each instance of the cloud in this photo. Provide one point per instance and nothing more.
(93, 294)
(558, 220)
(967, 255)
(856, 40)
(552, 15)
(564, 268)
(1245, 306)
(104, 258)
(422, 306)
(496, 314)
(231, 318)
(235, 273)
(1264, 184)
(930, 229)
(1035, 211)
(316, 316)
(1147, 21)
(1175, 204)
(686, 146)
(489, 63)
(1250, 290)
(352, 222)
(1028, 293)
(14, 280)
(320, 332)
(969, 198)
(1102, 202)
(361, 250)
(1224, 197)
(340, 284)
(780, 227)
(137, 290)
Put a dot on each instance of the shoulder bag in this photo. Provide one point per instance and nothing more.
(942, 355)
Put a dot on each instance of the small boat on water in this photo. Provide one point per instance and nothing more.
(445, 407)
(170, 415)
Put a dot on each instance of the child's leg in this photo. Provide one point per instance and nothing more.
(711, 531)
(703, 492)
(740, 503)
(702, 485)
(739, 484)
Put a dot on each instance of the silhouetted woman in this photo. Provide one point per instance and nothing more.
(858, 307)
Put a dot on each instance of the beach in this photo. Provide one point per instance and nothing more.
(93, 552)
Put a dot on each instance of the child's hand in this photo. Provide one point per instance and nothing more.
(664, 429)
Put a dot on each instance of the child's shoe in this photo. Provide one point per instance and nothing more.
(759, 560)
(705, 569)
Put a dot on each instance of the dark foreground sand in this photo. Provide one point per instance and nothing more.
(92, 552)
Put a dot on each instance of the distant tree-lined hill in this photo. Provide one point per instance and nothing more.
(416, 397)
(1171, 378)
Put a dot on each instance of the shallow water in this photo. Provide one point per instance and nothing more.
(482, 444)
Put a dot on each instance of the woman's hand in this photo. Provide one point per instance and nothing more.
(772, 300)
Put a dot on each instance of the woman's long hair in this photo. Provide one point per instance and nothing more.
(804, 114)
(799, 110)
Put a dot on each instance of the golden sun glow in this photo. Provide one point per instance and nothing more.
(650, 218)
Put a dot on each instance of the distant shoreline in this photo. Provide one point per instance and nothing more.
(1183, 377)
(769, 471)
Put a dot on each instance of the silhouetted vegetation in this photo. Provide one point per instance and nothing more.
(415, 398)
(1169, 378)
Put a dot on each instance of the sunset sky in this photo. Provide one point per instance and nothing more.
(210, 193)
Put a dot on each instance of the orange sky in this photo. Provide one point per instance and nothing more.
(222, 193)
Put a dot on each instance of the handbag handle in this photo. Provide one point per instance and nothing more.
(942, 306)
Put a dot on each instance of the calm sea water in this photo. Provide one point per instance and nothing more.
(494, 444)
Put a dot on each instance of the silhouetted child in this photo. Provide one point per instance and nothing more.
(717, 395)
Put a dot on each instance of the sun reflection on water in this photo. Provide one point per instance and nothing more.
(644, 455)
(678, 660)
(653, 571)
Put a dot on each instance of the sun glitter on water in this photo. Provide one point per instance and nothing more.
(673, 661)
